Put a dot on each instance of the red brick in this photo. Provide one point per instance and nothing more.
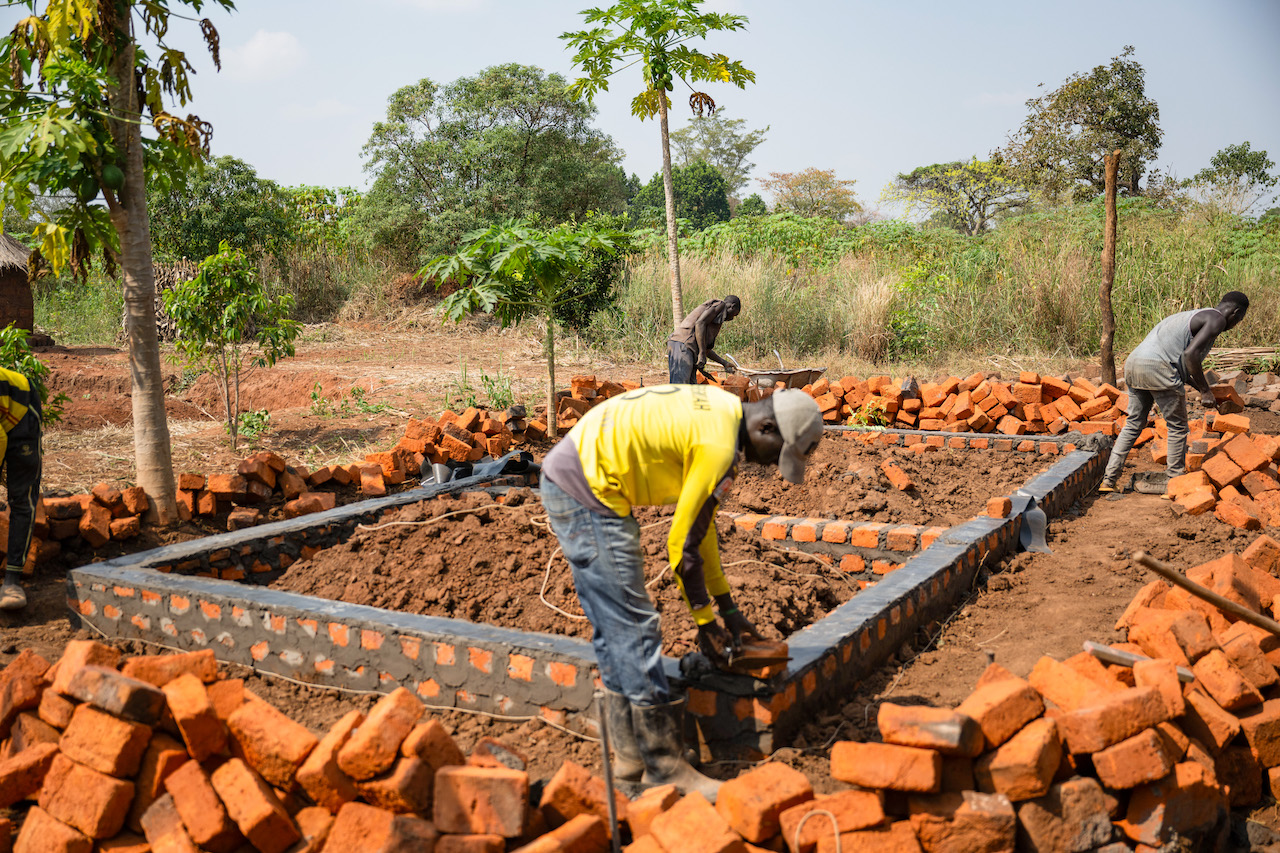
(1188, 483)
(1145, 757)
(1179, 636)
(405, 788)
(1239, 773)
(478, 844)
(79, 796)
(1247, 655)
(163, 756)
(164, 829)
(1024, 766)
(1116, 717)
(161, 669)
(270, 742)
(21, 775)
(107, 744)
(431, 742)
(481, 800)
(314, 823)
(1222, 471)
(79, 653)
(999, 507)
(491, 752)
(1245, 453)
(95, 525)
(226, 697)
(883, 765)
(320, 776)
(1062, 685)
(649, 804)
(693, 825)
(752, 802)
(18, 693)
(1072, 816)
(1238, 514)
(1225, 682)
(1162, 675)
(1001, 708)
(1261, 727)
(1207, 722)
(573, 791)
(947, 731)
(254, 807)
(963, 821)
(116, 694)
(43, 833)
(898, 837)
(373, 747)
(1263, 554)
(202, 731)
(360, 828)
(896, 476)
(1183, 803)
(205, 818)
(1198, 502)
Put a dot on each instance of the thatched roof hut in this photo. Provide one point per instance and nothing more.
(16, 305)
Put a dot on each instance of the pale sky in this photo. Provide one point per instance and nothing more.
(869, 89)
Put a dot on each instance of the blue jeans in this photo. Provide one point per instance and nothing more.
(608, 572)
(1172, 403)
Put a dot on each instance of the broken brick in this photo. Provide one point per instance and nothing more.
(883, 765)
(373, 746)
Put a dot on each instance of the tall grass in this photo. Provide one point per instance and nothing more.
(889, 294)
(75, 313)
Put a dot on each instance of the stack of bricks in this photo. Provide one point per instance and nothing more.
(584, 393)
(96, 518)
(160, 753)
(466, 436)
(1033, 405)
(1231, 472)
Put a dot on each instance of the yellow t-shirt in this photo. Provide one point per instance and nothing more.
(668, 444)
(15, 391)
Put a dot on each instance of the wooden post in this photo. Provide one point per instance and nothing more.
(1107, 343)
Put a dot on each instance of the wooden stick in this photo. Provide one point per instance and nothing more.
(1226, 605)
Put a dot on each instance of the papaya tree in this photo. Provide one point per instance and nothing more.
(516, 271)
(223, 316)
(77, 92)
(654, 35)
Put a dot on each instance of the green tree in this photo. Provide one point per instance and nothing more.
(752, 205)
(701, 197)
(510, 142)
(965, 195)
(223, 316)
(721, 142)
(516, 271)
(813, 192)
(654, 34)
(1060, 146)
(225, 201)
(79, 90)
(1236, 179)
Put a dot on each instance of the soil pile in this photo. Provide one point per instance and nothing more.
(844, 480)
(466, 558)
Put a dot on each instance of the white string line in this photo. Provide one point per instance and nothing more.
(835, 825)
(356, 691)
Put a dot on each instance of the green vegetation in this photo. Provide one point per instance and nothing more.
(223, 315)
(347, 403)
(16, 355)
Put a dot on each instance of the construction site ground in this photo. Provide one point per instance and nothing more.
(1025, 607)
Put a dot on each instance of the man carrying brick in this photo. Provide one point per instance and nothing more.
(20, 441)
(1169, 358)
(690, 345)
(669, 444)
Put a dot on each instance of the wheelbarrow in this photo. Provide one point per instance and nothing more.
(796, 377)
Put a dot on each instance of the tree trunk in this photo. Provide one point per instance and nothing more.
(1109, 272)
(551, 376)
(151, 445)
(673, 229)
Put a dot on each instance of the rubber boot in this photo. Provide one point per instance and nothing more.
(628, 767)
(660, 733)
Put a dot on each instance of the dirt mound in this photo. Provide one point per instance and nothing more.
(844, 480)
(488, 564)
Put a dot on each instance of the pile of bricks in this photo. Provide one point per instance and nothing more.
(584, 392)
(1231, 472)
(1259, 391)
(160, 753)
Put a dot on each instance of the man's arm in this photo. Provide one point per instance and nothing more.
(1211, 324)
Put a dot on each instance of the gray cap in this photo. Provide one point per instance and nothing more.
(800, 424)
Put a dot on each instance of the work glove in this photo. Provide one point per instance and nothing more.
(715, 643)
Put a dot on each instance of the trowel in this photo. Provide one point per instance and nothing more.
(756, 657)
(1034, 523)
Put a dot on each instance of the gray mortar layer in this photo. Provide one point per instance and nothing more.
(822, 666)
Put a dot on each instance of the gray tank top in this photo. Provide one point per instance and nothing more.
(1156, 363)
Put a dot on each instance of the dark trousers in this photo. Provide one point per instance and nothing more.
(681, 364)
(23, 468)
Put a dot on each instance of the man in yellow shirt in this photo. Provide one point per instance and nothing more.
(21, 451)
(669, 444)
